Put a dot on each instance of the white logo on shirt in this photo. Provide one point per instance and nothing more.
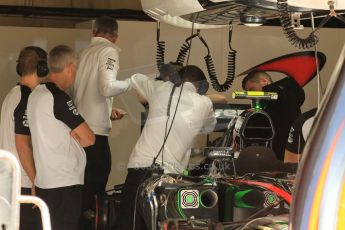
(25, 119)
(290, 138)
(72, 107)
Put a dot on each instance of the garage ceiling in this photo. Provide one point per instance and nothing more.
(69, 13)
(66, 13)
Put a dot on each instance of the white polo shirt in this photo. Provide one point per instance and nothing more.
(96, 83)
(194, 115)
(59, 159)
(14, 121)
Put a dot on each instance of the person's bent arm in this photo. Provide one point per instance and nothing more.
(24, 149)
(291, 157)
(84, 135)
(210, 119)
(108, 84)
(66, 111)
(144, 86)
(109, 87)
(218, 98)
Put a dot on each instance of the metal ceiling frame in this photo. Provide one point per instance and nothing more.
(64, 17)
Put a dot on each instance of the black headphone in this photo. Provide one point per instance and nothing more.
(173, 72)
(42, 65)
(169, 72)
(203, 87)
(175, 78)
(203, 84)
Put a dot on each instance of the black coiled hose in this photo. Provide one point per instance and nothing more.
(182, 54)
(231, 68)
(289, 31)
(209, 62)
(160, 49)
(160, 53)
(230, 74)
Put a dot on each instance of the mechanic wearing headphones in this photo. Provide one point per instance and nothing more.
(157, 143)
(58, 135)
(15, 134)
(165, 71)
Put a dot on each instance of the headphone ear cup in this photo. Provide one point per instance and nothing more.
(203, 87)
(18, 70)
(175, 78)
(42, 68)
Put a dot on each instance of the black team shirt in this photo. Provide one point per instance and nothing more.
(284, 111)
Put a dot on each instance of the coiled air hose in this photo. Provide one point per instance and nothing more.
(209, 61)
(160, 49)
(290, 33)
(182, 54)
(231, 67)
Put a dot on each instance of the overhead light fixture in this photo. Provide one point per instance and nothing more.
(252, 20)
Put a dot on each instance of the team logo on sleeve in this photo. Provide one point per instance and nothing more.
(110, 63)
(25, 119)
(291, 136)
(72, 107)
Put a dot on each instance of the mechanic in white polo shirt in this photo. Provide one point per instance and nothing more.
(15, 134)
(166, 138)
(58, 135)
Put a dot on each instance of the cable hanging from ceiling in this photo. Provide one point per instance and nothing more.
(289, 31)
(185, 49)
(231, 66)
(209, 61)
(160, 48)
(294, 39)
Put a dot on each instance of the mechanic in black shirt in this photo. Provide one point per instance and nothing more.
(283, 111)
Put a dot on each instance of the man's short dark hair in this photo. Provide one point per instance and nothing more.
(255, 76)
(192, 73)
(29, 58)
(196, 76)
(105, 25)
(166, 71)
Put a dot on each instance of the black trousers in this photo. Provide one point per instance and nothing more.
(128, 200)
(29, 218)
(64, 205)
(98, 166)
